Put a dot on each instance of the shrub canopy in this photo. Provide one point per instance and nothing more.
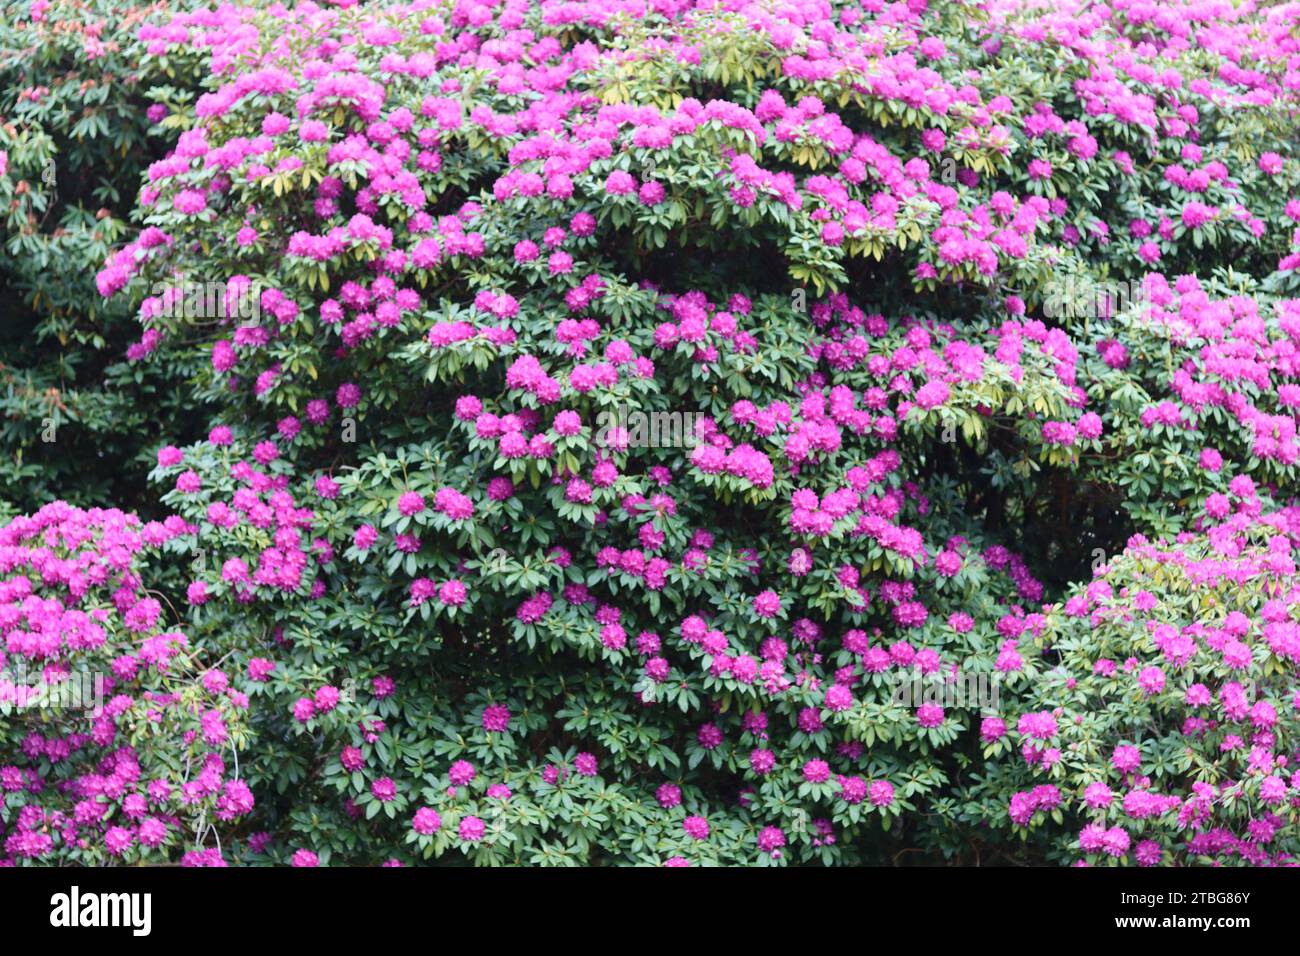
(609, 407)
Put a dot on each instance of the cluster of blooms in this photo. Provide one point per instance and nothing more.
(1222, 372)
(1175, 650)
(88, 662)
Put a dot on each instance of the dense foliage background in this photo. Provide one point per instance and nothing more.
(553, 432)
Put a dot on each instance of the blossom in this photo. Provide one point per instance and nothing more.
(1040, 725)
(410, 503)
(496, 718)
(1126, 758)
(190, 201)
(881, 793)
(1151, 680)
(771, 839)
(767, 604)
(427, 821)
(471, 829)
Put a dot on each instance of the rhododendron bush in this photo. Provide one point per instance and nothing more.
(122, 742)
(609, 406)
(1166, 712)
